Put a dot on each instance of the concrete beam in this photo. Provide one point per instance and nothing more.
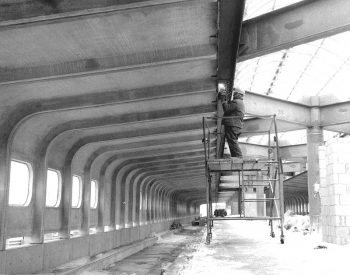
(294, 152)
(261, 105)
(335, 114)
(230, 16)
(294, 25)
(230, 23)
(255, 126)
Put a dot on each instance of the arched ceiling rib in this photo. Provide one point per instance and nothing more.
(109, 86)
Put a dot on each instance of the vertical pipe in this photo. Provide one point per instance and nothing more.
(280, 179)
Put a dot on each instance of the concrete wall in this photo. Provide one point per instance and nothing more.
(46, 256)
(335, 190)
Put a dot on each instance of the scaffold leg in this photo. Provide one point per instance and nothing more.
(272, 234)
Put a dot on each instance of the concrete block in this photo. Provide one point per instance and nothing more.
(347, 220)
(344, 178)
(55, 253)
(340, 220)
(342, 210)
(341, 241)
(342, 231)
(339, 189)
(344, 199)
(79, 248)
(330, 239)
(339, 168)
(322, 154)
(24, 260)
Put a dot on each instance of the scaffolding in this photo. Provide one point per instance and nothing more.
(263, 172)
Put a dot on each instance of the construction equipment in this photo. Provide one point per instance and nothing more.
(266, 173)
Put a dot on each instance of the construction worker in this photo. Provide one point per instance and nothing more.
(233, 119)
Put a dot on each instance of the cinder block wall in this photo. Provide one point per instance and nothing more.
(335, 190)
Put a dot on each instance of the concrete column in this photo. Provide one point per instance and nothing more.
(66, 201)
(116, 200)
(122, 205)
(234, 204)
(144, 216)
(314, 139)
(4, 191)
(101, 204)
(86, 185)
(137, 202)
(148, 203)
(127, 200)
(38, 199)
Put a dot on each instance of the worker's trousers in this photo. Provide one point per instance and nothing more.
(232, 133)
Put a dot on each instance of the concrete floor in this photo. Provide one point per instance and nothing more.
(238, 247)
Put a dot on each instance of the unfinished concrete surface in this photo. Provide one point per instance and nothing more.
(111, 94)
(239, 247)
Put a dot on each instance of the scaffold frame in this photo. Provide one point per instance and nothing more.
(270, 167)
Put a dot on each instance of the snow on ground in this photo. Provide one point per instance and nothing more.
(244, 247)
(239, 248)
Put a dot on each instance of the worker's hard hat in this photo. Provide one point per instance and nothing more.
(239, 91)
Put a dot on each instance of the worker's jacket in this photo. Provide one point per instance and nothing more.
(235, 110)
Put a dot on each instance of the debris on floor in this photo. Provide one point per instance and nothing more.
(199, 221)
(175, 225)
(296, 222)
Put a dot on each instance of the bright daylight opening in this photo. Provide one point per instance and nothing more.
(76, 191)
(53, 188)
(20, 192)
(94, 194)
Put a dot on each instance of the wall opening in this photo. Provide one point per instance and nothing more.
(53, 188)
(20, 191)
(94, 194)
(76, 191)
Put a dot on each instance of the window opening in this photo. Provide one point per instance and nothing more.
(53, 188)
(20, 191)
(94, 194)
(14, 242)
(76, 191)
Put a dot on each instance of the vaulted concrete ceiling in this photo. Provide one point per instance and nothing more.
(98, 88)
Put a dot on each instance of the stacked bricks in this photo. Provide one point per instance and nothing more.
(334, 160)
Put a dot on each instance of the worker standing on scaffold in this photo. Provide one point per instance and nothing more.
(233, 118)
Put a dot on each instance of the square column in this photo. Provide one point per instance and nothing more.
(314, 140)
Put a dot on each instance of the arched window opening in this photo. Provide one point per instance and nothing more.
(53, 188)
(20, 191)
(76, 191)
(94, 194)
